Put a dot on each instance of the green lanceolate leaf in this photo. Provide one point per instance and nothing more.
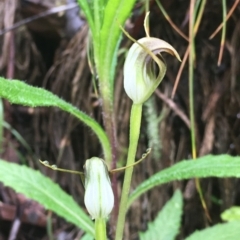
(207, 166)
(167, 223)
(85, 6)
(231, 214)
(105, 18)
(115, 14)
(18, 92)
(41, 189)
(225, 231)
(87, 237)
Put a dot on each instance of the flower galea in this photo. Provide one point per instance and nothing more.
(144, 67)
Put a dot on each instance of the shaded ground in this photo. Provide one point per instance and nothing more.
(52, 53)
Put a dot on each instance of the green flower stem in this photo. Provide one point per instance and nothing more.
(135, 124)
(100, 229)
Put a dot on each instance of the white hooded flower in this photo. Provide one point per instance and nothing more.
(144, 67)
(99, 199)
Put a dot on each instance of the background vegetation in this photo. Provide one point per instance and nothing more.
(51, 52)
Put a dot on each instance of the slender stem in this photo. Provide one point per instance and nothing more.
(135, 124)
(106, 94)
(104, 80)
(191, 78)
(191, 99)
(100, 229)
(223, 37)
(109, 122)
(234, 6)
(49, 226)
(165, 14)
(110, 128)
(111, 131)
(199, 17)
(196, 26)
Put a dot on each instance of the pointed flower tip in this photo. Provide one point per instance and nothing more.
(175, 54)
(99, 199)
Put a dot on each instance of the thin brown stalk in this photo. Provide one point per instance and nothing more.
(174, 26)
(195, 30)
(179, 74)
(191, 100)
(174, 107)
(228, 16)
(223, 33)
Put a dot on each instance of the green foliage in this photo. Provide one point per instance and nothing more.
(207, 166)
(231, 214)
(167, 223)
(40, 188)
(116, 12)
(87, 237)
(18, 92)
(225, 231)
(88, 13)
(104, 18)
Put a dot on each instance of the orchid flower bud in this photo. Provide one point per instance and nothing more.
(144, 67)
(99, 199)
